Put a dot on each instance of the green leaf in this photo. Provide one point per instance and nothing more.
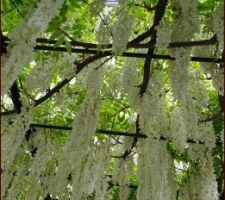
(56, 34)
(68, 46)
(59, 42)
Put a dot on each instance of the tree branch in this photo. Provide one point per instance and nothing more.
(52, 92)
(212, 40)
(15, 96)
(99, 131)
(131, 44)
(106, 132)
(126, 54)
(159, 12)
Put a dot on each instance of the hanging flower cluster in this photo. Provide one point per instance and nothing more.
(84, 127)
(184, 27)
(46, 152)
(186, 20)
(218, 24)
(163, 35)
(23, 39)
(14, 175)
(33, 174)
(44, 70)
(154, 182)
(121, 32)
(217, 74)
(153, 118)
(14, 135)
(212, 70)
(184, 121)
(155, 171)
(130, 81)
(93, 178)
(122, 170)
(41, 74)
(179, 74)
(103, 28)
(202, 179)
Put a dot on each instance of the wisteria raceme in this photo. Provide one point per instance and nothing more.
(178, 129)
(17, 185)
(41, 74)
(185, 117)
(46, 150)
(24, 37)
(103, 28)
(155, 178)
(130, 81)
(85, 124)
(186, 21)
(14, 174)
(163, 35)
(202, 180)
(94, 171)
(179, 73)
(12, 141)
(121, 32)
(29, 169)
(197, 93)
(123, 169)
(214, 70)
(218, 25)
(153, 118)
(184, 122)
(66, 65)
(217, 74)
(101, 189)
(153, 122)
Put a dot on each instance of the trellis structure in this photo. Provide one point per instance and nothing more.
(107, 53)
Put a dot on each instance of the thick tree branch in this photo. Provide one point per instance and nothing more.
(15, 96)
(159, 12)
